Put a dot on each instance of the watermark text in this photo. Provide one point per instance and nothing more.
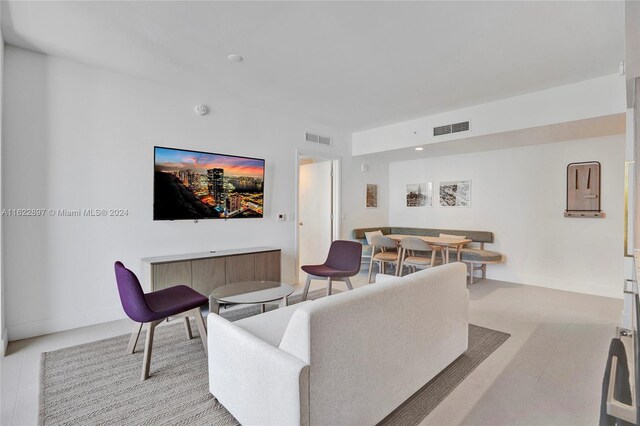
(64, 212)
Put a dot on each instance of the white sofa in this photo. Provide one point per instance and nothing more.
(347, 359)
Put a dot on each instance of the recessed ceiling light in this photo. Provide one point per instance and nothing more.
(419, 148)
(234, 58)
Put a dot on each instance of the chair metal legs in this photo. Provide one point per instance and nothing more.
(348, 281)
(148, 347)
(133, 340)
(202, 328)
(473, 268)
(472, 271)
(150, 330)
(382, 268)
(371, 266)
(187, 327)
(329, 280)
(399, 264)
(306, 288)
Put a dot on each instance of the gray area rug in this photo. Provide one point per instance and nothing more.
(97, 384)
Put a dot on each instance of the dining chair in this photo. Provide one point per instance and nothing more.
(452, 237)
(389, 253)
(150, 309)
(408, 256)
(366, 249)
(343, 262)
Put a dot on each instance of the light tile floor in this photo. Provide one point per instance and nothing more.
(548, 373)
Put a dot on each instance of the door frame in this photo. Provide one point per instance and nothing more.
(336, 164)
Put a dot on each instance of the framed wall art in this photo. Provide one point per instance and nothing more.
(419, 194)
(372, 196)
(455, 193)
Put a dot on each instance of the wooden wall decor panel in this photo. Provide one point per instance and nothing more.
(166, 275)
(268, 266)
(208, 274)
(240, 268)
(583, 190)
(206, 271)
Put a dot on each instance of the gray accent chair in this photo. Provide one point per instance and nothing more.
(474, 255)
(366, 245)
(387, 252)
(417, 254)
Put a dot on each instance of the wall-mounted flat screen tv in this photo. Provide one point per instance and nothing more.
(202, 185)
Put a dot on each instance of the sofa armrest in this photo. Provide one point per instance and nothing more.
(256, 382)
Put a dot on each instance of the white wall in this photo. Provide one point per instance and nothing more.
(520, 194)
(597, 97)
(354, 211)
(3, 325)
(80, 137)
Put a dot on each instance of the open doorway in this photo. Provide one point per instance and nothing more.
(317, 209)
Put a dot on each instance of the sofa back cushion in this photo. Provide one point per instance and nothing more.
(371, 348)
(359, 234)
(475, 236)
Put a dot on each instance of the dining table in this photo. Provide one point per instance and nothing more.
(445, 243)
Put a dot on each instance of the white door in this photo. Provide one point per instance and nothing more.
(314, 214)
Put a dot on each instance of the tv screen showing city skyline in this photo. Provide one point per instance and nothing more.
(200, 185)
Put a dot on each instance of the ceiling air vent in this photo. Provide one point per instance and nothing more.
(442, 130)
(451, 128)
(324, 140)
(460, 127)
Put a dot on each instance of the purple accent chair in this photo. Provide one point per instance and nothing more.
(151, 309)
(343, 261)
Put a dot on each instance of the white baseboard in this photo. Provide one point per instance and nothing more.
(5, 341)
(613, 290)
(54, 325)
(590, 289)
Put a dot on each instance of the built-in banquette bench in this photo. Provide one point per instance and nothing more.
(473, 255)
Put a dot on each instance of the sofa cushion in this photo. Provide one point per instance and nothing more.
(417, 260)
(477, 255)
(386, 256)
(358, 234)
(271, 325)
(476, 236)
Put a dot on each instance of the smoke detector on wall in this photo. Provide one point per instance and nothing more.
(201, 109)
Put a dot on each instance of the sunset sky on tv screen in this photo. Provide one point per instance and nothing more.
(174, 159)
(200, 185)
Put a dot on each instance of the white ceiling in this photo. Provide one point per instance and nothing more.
(353, 65)
(573, 130)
